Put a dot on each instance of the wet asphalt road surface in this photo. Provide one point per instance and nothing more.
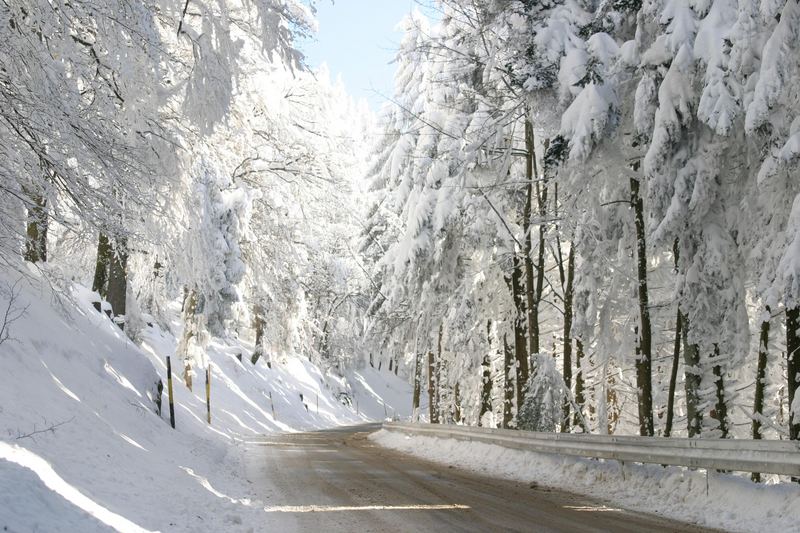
(339, 481)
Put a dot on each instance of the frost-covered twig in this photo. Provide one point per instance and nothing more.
(12, 312)
(783, 433)
(49, 429)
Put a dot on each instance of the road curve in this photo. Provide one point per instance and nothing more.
(338, 480)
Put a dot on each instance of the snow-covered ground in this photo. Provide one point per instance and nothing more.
(81, 448)
(719, 501)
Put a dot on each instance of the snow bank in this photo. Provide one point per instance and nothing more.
(81, 448)
(719, 501)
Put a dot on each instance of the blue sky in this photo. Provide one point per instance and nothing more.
(357, 40)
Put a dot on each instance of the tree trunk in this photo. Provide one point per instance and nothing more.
(486, 377)
(486, 389)
(612, 404)
(673, 377)
(530, 288)
(258, 325)
(189, 332)
(793, 366)
(691, 369)
(440, 416)
(36, 238)
(417, 387)
(721, 407)
(568, 297)
(761, 383)
(433, 411)
(579, 387)
(644, 378)
(118, 281)
(508, 396)
(102, 265)
(676, 354)
(520, 347)
(541, 198)
(457, 403)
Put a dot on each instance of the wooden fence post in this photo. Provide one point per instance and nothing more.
(169, 391)
(272, 405)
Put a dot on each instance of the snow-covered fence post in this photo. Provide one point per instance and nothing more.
(317, 403)
(208, 394)
(169, 391)
(272, 405)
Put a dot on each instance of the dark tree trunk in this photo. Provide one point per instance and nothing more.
(676, 354)
(691, 369)
(541, 198)
(721, 407)
(457, 403)
(579, 387)
(36, 238)
(761, 383)
(433, 410)
(520, 347)
(530, 288)
(102, 265)
(439, 362)
(486, 389)
(644, 378)
(118, 281)
(486, 377)
(568, 297)
(793, 366)
(258, 325)
(508, 389)
(417, 387)
(673, 377)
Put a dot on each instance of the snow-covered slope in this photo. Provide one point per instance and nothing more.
(81, 448)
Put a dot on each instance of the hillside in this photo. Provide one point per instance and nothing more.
(84, 450)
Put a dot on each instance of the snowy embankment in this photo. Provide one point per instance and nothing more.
(81, 448)
(718, 500)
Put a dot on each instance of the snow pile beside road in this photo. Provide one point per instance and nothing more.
(725, 501)
(81, 448)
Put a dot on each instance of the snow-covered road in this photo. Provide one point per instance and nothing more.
(338, 480)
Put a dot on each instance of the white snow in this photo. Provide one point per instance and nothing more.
(81, 448)
(714, 500)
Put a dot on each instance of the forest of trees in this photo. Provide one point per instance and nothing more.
(179, 153)
(576, 216)
(584, 215)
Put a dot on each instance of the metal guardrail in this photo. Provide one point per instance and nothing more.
(765, 456)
